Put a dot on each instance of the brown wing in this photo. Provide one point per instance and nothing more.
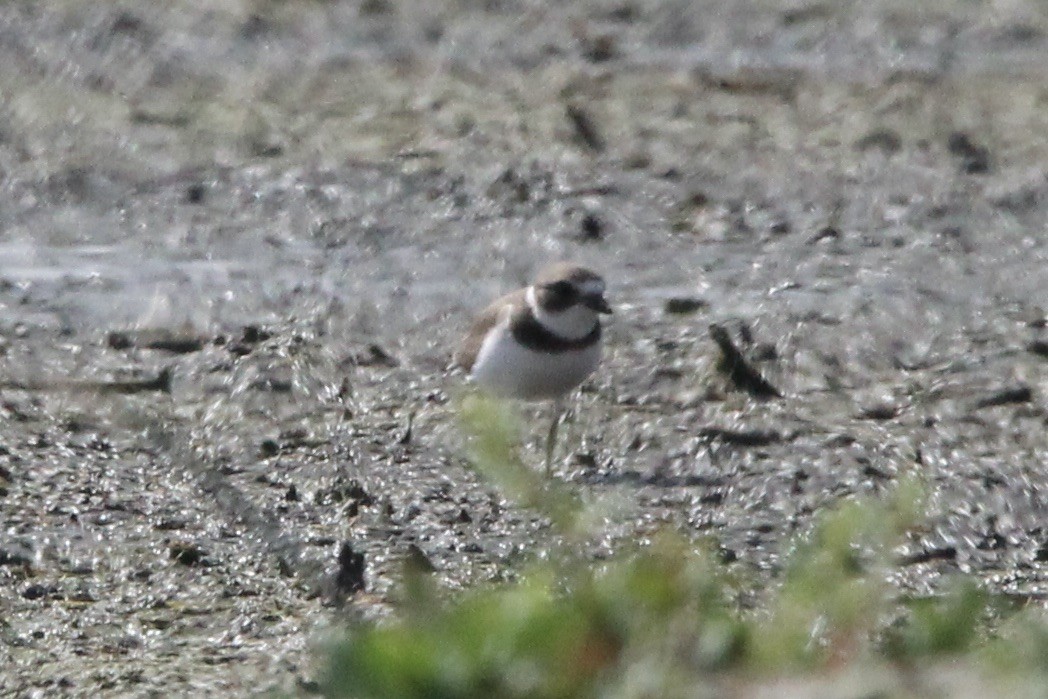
(469, 347)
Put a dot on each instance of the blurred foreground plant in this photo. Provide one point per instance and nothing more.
(493, 432)
(835, 587)
(660, 620)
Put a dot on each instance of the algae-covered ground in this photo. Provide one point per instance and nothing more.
(239, 239)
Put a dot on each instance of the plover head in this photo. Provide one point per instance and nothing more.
(567, 300)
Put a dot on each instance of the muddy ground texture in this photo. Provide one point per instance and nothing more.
(237, 242)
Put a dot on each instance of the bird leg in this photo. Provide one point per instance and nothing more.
(551, 438)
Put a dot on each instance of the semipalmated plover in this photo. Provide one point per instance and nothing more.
(540, 342)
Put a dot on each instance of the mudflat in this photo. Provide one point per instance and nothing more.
(238, 241)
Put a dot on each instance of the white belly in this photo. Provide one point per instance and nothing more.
(512, 371)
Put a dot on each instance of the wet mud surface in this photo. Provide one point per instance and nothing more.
(237, 246)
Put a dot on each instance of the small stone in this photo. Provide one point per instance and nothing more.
(119, 341)
(886, 410)
(638, 159)
(683, 305)
(1038, 347)
(195, 193)
(170, 524)
(884, 140)
(600, 48)
(697, 199)
(351, 569)
(253, 333)
(626, 12)
(586, 130)
(592, 228)
(255, 26)
(186, 553)
(36, 591)
(825, 233)
(15, 556)
(975, 158)
(268, 448)
(266, 146)
(371, 8)
(943, 553)
(764, 352)
(376, 355)
(1006, 396)
(127, 23)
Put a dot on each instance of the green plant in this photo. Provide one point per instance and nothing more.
(663, 620)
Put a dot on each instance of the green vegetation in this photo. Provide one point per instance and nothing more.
(666, 619)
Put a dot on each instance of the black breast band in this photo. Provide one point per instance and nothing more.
(535, 336)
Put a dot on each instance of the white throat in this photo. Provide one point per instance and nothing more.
(573, 323)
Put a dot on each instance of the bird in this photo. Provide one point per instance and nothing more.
(540, 342)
